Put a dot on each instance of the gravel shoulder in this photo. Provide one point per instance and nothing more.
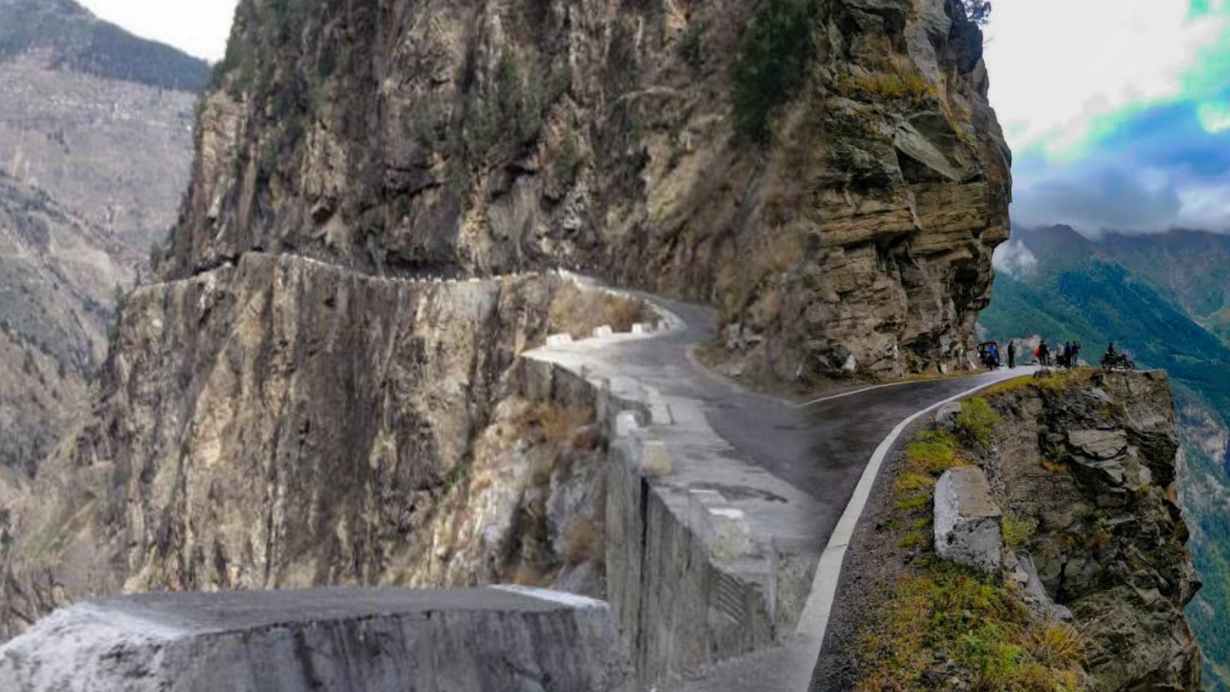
(874, 562)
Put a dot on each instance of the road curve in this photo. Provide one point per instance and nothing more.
(822, 449)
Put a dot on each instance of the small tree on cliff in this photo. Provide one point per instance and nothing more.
(978, 11)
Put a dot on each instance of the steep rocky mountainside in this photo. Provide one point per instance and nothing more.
(828, 171)
(1152, 296)
(95, 146)
(58, 274)
(116, 152)
(1187, 268)
(283, 423)
(1095, 572)
(287, 406)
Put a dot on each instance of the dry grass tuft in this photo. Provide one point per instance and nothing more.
(530, 575)
(887, 86)
(582, 542)
(579, 312)
(554, 423)
(977, 623)
(1055, 382)
(1056, 644)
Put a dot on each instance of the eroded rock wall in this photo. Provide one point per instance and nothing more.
(283, 423)
(486, 137)
(1091, 468)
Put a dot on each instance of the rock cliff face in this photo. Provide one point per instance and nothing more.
(1093, 466)
(396, 136)
(283, 423)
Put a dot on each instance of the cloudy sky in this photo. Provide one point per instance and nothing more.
(1118, 111)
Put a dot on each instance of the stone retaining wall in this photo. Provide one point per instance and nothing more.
(687, 582)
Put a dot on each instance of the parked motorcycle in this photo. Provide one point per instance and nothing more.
(1117, 361)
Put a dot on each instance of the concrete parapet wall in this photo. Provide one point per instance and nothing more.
(688, 582)
(328, 639)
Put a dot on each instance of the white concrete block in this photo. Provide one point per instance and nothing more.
(626, 423)
(968, 523)
(603, 332)
(641, 328)
(559, 340)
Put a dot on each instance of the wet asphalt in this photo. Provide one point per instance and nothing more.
(820, 449)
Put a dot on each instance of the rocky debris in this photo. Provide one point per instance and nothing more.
(858, 239)
(946, 415)
(1022, 571)
(524, 640)
(1091, 466)
(967, 520)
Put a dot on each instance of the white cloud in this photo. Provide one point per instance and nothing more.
(1214, 116)
(199, 27)
(1015, 259)
(1206, 205)
(1057, 66)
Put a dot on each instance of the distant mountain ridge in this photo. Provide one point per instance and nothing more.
(77, 40)
(1189, 268)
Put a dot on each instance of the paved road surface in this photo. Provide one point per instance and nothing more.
(821, 449)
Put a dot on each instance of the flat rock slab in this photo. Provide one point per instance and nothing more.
(1101, 445)
(968, 526)
(500, 638)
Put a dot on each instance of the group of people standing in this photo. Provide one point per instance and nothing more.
(1068, 356)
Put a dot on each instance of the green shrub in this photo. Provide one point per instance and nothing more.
(933, 452)
(771, 64)
(977, 420)
(1017, 531)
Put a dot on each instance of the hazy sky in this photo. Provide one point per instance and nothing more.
(1118, 111)
(199, 27)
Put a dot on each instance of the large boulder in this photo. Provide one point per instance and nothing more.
(968, 526)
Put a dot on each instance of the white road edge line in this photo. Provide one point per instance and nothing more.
(814, 622)
(871, 388)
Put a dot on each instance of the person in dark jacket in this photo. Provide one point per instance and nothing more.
(1011, 355)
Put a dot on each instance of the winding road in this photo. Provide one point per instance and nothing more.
(813, 460)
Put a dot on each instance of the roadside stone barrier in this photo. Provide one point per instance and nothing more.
(968, 523)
